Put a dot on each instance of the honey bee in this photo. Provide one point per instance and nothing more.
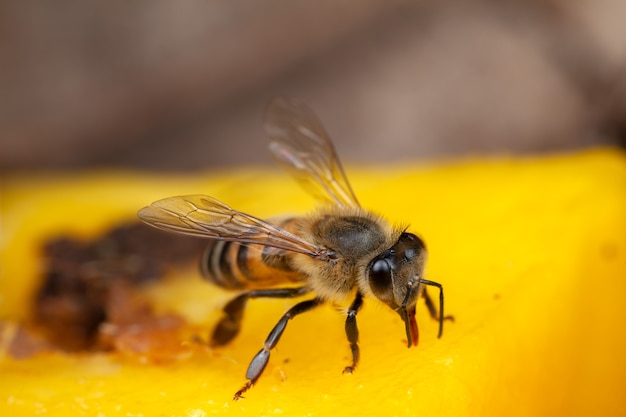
(338, 253)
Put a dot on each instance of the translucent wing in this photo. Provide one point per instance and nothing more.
(203, 216)
(300, 143)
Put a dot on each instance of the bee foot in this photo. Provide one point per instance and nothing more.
(239, 394)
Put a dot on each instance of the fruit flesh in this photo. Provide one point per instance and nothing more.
(531, 253)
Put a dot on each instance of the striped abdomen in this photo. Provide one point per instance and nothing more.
(232, 265)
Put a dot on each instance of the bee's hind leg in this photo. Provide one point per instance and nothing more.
(230, 324)
(260, 360)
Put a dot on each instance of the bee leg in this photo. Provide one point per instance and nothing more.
(230, 324)
(352, 331)
(260, 360)
(432, 310)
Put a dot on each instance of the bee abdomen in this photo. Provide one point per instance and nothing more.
(235, 266)
(218, 268)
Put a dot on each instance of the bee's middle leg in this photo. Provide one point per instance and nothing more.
(352, 332)
(230, 324)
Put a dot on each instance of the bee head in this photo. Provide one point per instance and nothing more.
(394, 277)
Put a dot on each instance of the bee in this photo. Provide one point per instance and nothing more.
(340, 252)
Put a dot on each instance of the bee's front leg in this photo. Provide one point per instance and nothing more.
(352, 331)
(260, 360)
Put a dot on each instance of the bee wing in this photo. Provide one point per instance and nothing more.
(203, 216)
(300, 143)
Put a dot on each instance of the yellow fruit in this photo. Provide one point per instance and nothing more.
(531, 253)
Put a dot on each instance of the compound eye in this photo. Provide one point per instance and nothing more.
(380, 278)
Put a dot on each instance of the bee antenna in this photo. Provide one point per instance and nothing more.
(441, 315)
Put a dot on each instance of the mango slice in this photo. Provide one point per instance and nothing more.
(531, 253)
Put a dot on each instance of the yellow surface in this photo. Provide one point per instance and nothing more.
(531, 252)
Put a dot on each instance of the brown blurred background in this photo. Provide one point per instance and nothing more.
(182, 84)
